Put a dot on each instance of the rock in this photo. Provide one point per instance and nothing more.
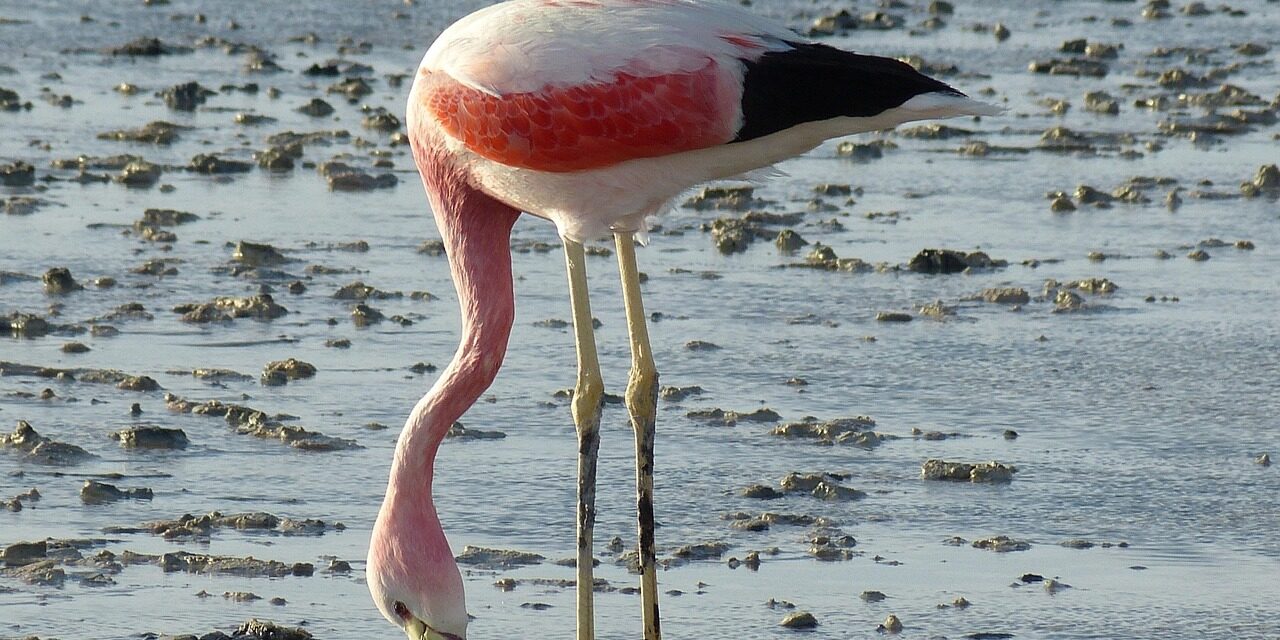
(250, 421)
(226, 309)
(316, 108)
(75, 347)
(1093, 285)
(21, 205)
(211, 164)
(157, 132)
(385, 122)
(257, 255)
(139, 173)
(1010, 295)
(893, 316)
(496, 559)
(761, 492)
(677, 394)
(872, 596)
(265, 630)
(789, 241)
(147, 47)
(1067, 301)
(834, 492)
(41, 449)
(459, 432)
(58, 280)
(994, 472)
(352, 88)
(1001, 544)
(799, 620)
(281, 371)
(94, 492)
(1265, 183)
(23, 553)
(891, 625)
(701, 345)
(702, 551)
(1199, 255)
(724, 199)
(949, 261)
(1101, 102)
(43, 573)
(363, 315)
(1001, 32)
(350, 179)
(1061, 204)
(17, 174)
(186, 96)
(361, 291)
(151, 437)
(278, 158)
(1263, 460)
(1069, 67)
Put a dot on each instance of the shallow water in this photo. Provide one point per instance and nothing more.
(1139, 421)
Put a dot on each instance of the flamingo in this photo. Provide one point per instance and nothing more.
(594, 115)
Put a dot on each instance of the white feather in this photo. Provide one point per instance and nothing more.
(663, 36)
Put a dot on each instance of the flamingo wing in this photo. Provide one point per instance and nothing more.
(566, 85)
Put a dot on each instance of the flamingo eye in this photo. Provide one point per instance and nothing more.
(401, 610)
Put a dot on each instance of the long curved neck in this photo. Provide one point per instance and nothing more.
(476, 230)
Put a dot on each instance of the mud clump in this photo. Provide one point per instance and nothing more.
(43, 573)
(992, 472)
(724, 199)
(282, 371)
(163, 218)
(1001, 544)
(42, 450)
(825, 258)
(21, 553)
(17, 174)
(460, 432)
(151, 437)
(139, 174)
(344, 177)
(147, 47)
(799, 620)
(854, 431)
(157, 132)
(250, 421)
(496, 559)
(211, 164)
(58, 280)
(316, 108)
(186, 96)
(254, 254)
(360, 291)
(1011, 295)
(227, 309)
(942, 261)
(248, 566)
(94, 492)
(1266, 183)
(701, 551)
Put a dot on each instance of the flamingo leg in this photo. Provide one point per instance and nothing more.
(588, 395)
(642, 404)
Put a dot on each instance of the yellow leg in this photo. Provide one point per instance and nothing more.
(587, 398)
(642, 404)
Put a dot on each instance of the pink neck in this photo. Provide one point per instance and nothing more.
(476, 230)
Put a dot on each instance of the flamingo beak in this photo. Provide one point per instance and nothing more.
(418, 630)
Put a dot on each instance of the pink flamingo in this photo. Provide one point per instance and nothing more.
(593, 114)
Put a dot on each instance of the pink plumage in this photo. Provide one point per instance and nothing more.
(594, 114)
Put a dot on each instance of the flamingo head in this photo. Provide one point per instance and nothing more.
(413, 577)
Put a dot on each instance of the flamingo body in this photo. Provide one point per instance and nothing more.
(594, 114)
